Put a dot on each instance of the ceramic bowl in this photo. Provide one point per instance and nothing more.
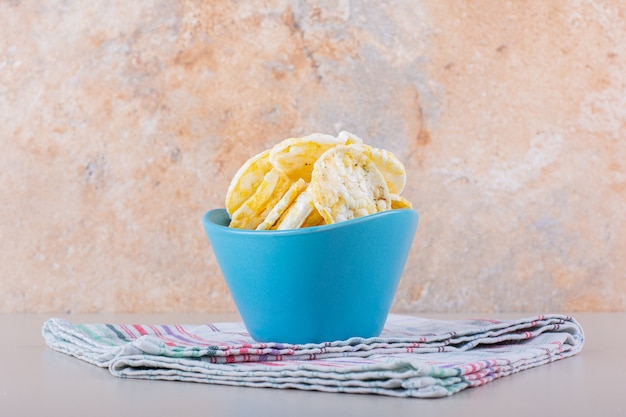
(317, 284)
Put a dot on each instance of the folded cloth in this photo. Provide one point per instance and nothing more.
(413, 357)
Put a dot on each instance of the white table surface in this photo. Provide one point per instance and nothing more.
(36, 381)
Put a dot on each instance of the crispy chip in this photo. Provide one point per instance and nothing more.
(388, 164)
(283, 204)
(297, 213)
(314, 180)
(345, 184)
(399, 202)
(246, 181)
(314, 219)
(349, 138)
(254, 210)
(296, 156)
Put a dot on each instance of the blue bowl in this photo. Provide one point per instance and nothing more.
(317, 284)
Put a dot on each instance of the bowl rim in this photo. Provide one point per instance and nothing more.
(307, 230)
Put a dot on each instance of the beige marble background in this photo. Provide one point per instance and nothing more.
(122, 122)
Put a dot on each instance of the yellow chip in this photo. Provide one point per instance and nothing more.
(345, 184)
(246, 181)
(277, 211)
(297, 213)
(314, 180)
(348, 138)
(254, 210)
(399, 202)
(296, 156)
(314, 219)
(388, 164)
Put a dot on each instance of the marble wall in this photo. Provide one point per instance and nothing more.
(123, 122)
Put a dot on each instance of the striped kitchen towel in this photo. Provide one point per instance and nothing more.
(413, 357)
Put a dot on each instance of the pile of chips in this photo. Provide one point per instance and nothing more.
(315, 180)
